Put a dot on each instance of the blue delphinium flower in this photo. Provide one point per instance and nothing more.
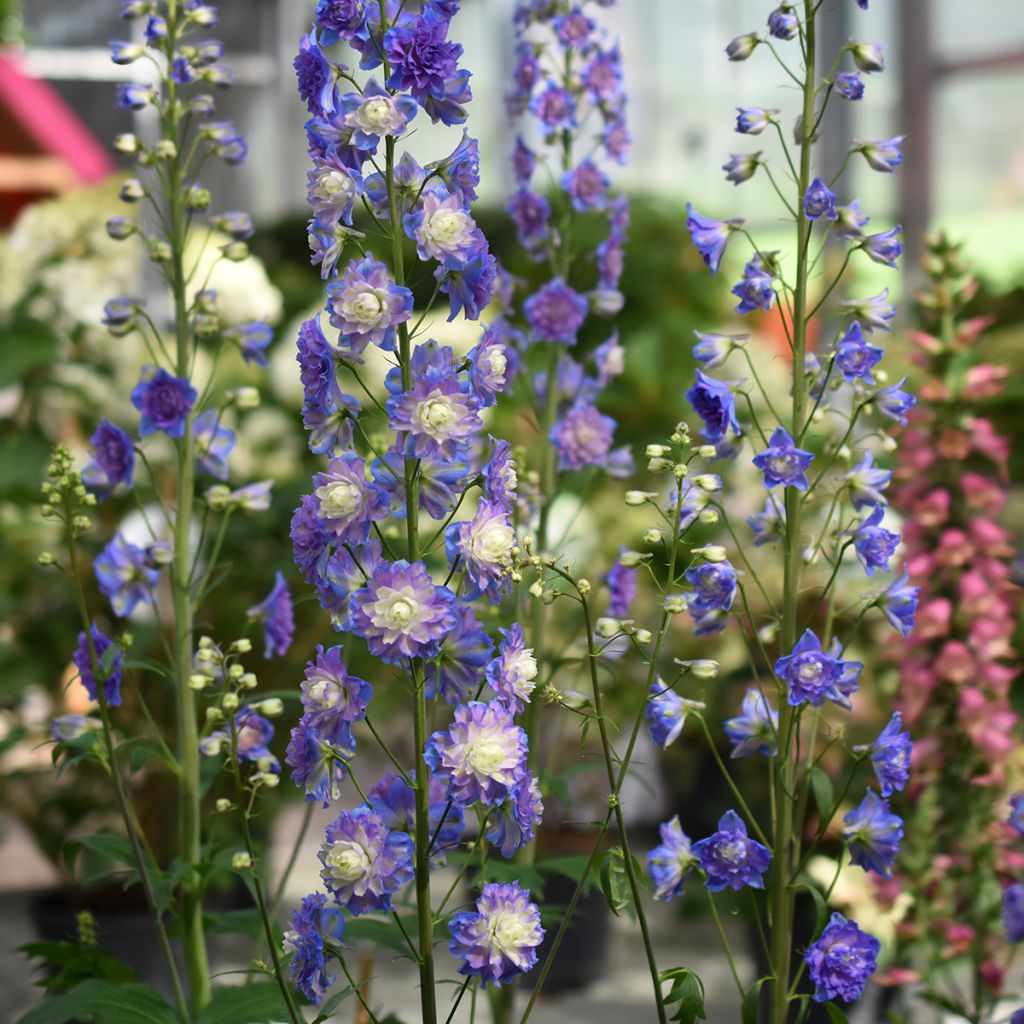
(366, 306)
(849, 85)
(332, 698)
(364, 863)
(873, 543)
(665, 713)
(109, 663)
(252, 340)
(782, 463)
(164, 401)
(855, 357)
(873, 834)
(875, 313)
(884, 248)
(583, 436)
(213, 443)
(850, 223)
(401, 613)
(1016, 819)
(312, 923)
(766, 526)
(756, 289)
(893, 402)
(884, 156)
(756, 729)
(394, 801)
(317, 77)
(113, 460)
(730, 858)
(815, 675)
(514, 824)
(890, 756)
(457, 671)
(714, 402)
(1013, 912)
(499, 938)
(841, 960)
(555, 312)
(436, 416)
(319, 762)
(621, 581)
(783, 23)
(347, 503)
(753, 120)
(741, 167)
(899, 604)
(710, 236)
(671, 862)
(819, 201)
(512, 674)
(483, 753)
(712, 350)
(586, 185)
(125, 575)
(866, 483)
(714, 587)
(275, 614)
(423, 60)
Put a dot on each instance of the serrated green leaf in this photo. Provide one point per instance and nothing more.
(332, 1004)
(103, 1002)
(750, 1001)
(246, 1004)
(614, 885)
(824, 796)
(688, 991)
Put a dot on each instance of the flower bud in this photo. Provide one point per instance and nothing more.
(198, 681)
(235, 251)
(653, 535)
(248, 681)
(536, 589)
(607, 628)
(583, 586)
(247, 398)
(659, 465)
(867, 56)
(768, 632)
(243, 645)
(126, 143)
(132, 191)
(268, 779)
(712, 553)
(674, 604)
(680, 470)
(46, 558)
(205, 654)
(642, 636)
(708, 516)
(707, 451)
(158, 250)
(704, 668)
(631, 559)
(224, 804)
(120, 228)
(214, 715)
(655, 451)
(637, 498)
(271, 707)
(742, 46)
(241, 861)
(165, 149)
(708, 482)
(230, 702)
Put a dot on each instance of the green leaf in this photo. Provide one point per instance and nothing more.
(688, 991)
(836, 1014)
(384, 931)
(103, 1002)
(332, 1004)
(614, 883)
(820, 907)
(824, 797)
(28, 344)
(805, 1008)
(246, 1004)
(101, 853)
(70, 963)
(246, 921)
(750, 1001)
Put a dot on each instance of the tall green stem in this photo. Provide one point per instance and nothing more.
(190, 822)
(784, 778)
(424, 913)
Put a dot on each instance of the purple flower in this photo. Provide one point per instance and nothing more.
(582, 437)
(819, 201)
(113, 460)
(313, 922)
(602, 77)
(555, 312)
(849, 85)
(850, 223)
(401, 613)
(366, 305)
(1016, 819)
(339, 19)
(874, 313)
(874, 544)
(72, 727)
(394, 800)
(782, 463)
(815, 675)
(252, 340)
(317, 78)
(756, 729)
(512, 674)
(884, 156)
(109, 664)
(841, 961)
(767, 525)
(622, 587)
(753, 120)
(342, 576)
(894, 403)
(554, 108)
(309, 537)
(332, 699)
(450, 107)
(374, 114)
(124, 575)
(756, 289)
(855, 357)
(524, 161)
(714, 402)
(460, 170)
(742, 46)
(253, 734)
(884, 248)
(866, 483)
(710, 236)
(319, 763)
(275, 612)
(213, 443)
(164, 401)
(873, 834)
(730, 858)
(484, 545)
(670, 863)
(586, 185)
(867, 56)
(420, 55)
(714, 587)
(530, 213)
(517, 818)
(890, 756)
(468, 284)
(500, 480)
(665, 712)
(457, 672)
(436, 416)
(499, 939)
(135, 95)
(1013, 912)
(489, 367)
(347, 503)
(364, 862)
(899, 604)
(741, 167)
(482, 753)
(783, 24)
(442, 228)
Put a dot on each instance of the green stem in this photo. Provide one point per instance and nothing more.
(784, 776)
(725, 945)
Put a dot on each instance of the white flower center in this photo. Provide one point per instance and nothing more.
(491, 543)
(446, 228)
(376, 112)
(486, 755)
(334, 183)
(809, 670)
(347, 861)
(398, 614)
(435, 414)
(496, 362)
(339, 499)
(733, 852)
(509, 931)
(324, 691)
(365, 308)
(524, 664)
